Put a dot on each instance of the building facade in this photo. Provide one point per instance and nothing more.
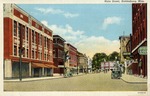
(123, 41)
(106, 66)
(89, 65)
(21, 30)
(139, 39)
(72, 53)
(58, 54)
(82, 63)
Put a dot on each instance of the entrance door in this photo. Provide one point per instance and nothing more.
(36, 72)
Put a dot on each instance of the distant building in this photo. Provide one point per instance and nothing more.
(106, 66)
(23, 31)
(58, 54)
(89, 64)
(83, 63)
(123, 41)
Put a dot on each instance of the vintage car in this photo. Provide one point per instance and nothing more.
(115, 74)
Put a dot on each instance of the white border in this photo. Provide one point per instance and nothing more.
(75, 93)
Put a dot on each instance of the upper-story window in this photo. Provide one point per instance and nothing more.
(19, 29)
(27, 34)
(15, 28)
(27, 52)
(45, 41)
(15, 50)
(41, 40)
(32, 36)
(32, 54)
(23, 32)
(48, 43)
(35, 37)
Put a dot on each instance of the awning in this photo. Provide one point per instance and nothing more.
(50, 66)
(40, 65)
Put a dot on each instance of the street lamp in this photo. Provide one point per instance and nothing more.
(21, 49)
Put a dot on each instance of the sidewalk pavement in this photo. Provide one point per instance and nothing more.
(39, 78)
(133, 79)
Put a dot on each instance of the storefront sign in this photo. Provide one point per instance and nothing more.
(142, 50)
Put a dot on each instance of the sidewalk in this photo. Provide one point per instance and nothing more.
(39, 78)
(133, 79)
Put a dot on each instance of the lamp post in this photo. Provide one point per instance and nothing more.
(20, 53)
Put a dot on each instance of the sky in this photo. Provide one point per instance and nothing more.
(91, 28)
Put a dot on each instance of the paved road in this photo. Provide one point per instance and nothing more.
(89, 82)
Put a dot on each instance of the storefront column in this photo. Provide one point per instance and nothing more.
(30, 70)
(43, 71)
(8, 68)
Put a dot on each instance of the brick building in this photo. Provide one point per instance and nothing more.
(58, 51)
(72, 52)
(21, 30)
(139, 38)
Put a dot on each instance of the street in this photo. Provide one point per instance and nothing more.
(85, 82)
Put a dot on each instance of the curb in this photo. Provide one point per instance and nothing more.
(133, 82)
(32, 79)
(38, 79)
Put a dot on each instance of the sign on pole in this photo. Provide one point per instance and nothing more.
(142, 50)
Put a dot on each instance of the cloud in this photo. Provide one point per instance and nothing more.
(111, 20)
(57, 11)
(67, 32)
(68, 15)
(93, 44)
(85, 44)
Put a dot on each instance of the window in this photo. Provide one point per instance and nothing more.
(15, 50)
(32, 54)
(23, 32)
(47, 43)
(44, 56)
(47, 57)
(19, 30)
(32, 36)
(23, 53)
(39, 55)
(27, 53)
(39, 41)
(35, 37)
(27, 34)
(15, 28)
(44, 41)
(60, 53)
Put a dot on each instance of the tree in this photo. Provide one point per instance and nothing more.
(97, 59)
(113, 55)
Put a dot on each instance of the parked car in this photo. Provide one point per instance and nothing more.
(115, 74)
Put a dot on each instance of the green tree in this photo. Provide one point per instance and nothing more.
(113, 55)
(97, 59)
